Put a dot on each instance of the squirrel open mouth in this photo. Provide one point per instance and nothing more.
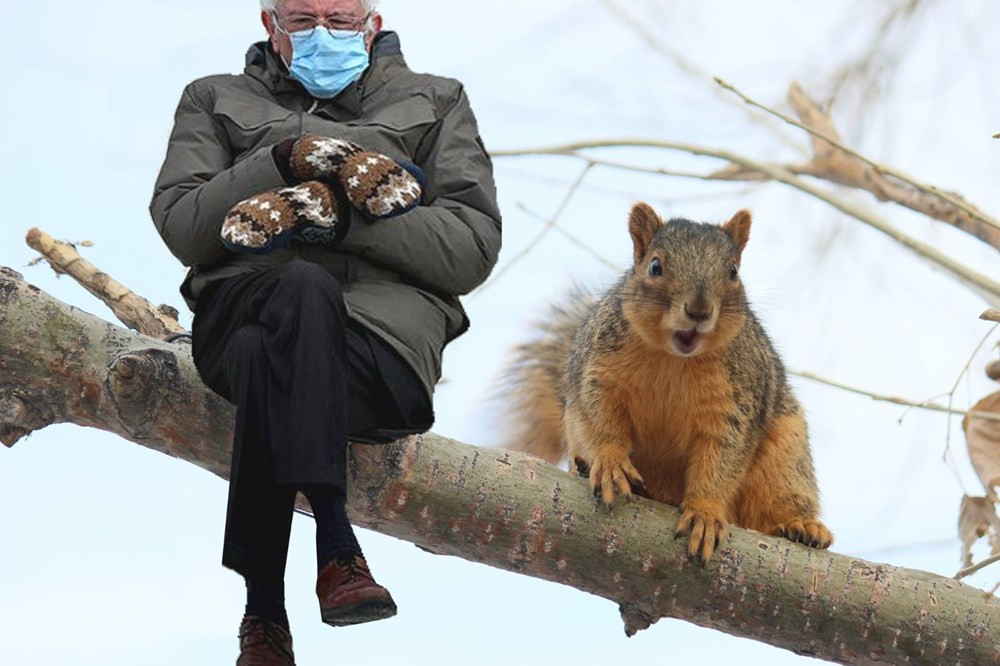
(686, 342)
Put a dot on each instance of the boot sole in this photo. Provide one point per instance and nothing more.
(359, 613)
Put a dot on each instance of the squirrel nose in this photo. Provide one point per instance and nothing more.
(697, 315)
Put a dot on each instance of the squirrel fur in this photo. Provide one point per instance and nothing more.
(668, 387)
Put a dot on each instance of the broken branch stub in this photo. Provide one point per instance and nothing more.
(131, 309)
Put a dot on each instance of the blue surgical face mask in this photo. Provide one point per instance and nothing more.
(327, 61)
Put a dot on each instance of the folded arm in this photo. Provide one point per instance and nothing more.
(199, 182)
(450, 243)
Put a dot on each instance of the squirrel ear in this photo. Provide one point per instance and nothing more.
(738, 229)
(643, 222)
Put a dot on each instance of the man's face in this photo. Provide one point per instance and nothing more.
(335, 12)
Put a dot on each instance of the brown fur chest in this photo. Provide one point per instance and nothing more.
(672, 404)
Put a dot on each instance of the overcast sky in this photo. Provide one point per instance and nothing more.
(110, 552)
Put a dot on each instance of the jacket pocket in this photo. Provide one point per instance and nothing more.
(253, 123)
(401, 117)
(395, 130)
(251, 114)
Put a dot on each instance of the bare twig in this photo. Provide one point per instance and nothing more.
(596, 187)
(968, 571)
(882, 53)
(981, 284)
(923, 402)
(832, 140)
(931, 406)
(958, 380)
(573, 239)
(656, 42)
(545, 230)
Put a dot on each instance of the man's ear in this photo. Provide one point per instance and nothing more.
(643, 222)
(265, 18)
(376, 23)
(738, 228)
(271, 25)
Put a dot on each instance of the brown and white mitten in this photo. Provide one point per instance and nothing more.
(265, 221)
(375, 184)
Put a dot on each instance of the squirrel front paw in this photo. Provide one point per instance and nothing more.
(613, 474)
(706, 522)
(812, 533)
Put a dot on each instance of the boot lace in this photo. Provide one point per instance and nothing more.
(355, 567)
(270, 635)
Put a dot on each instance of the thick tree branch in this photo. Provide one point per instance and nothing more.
(508, 510)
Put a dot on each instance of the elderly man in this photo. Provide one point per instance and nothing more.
(321, 307)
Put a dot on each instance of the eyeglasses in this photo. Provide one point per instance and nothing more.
(301, 22)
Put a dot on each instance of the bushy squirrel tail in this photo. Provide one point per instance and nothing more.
(532, 384)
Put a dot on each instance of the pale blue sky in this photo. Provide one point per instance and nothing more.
(110, 552)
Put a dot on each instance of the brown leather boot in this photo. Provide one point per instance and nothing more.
(264, 643)
(348, 594)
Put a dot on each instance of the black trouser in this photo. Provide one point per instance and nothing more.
(304, 377)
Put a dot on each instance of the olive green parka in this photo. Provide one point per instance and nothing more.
(401, 277)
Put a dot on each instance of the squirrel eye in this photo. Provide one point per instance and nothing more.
(734, 271)
(655, 267)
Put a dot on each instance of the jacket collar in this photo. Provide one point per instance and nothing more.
(266, 66)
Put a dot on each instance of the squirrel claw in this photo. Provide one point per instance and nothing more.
(808, 532)
(611, 478)
(707, 527)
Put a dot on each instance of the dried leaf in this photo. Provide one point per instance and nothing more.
(976, 519)
(984, 443)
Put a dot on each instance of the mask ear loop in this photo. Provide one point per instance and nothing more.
(277, 25)
(278, 28)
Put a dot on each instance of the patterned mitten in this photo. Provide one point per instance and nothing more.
(376, 185)
(265, 221)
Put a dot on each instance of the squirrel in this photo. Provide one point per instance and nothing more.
(668, 387)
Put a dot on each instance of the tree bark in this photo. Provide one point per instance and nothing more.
(508, 510)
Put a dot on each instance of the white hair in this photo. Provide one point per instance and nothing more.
(272, 5)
